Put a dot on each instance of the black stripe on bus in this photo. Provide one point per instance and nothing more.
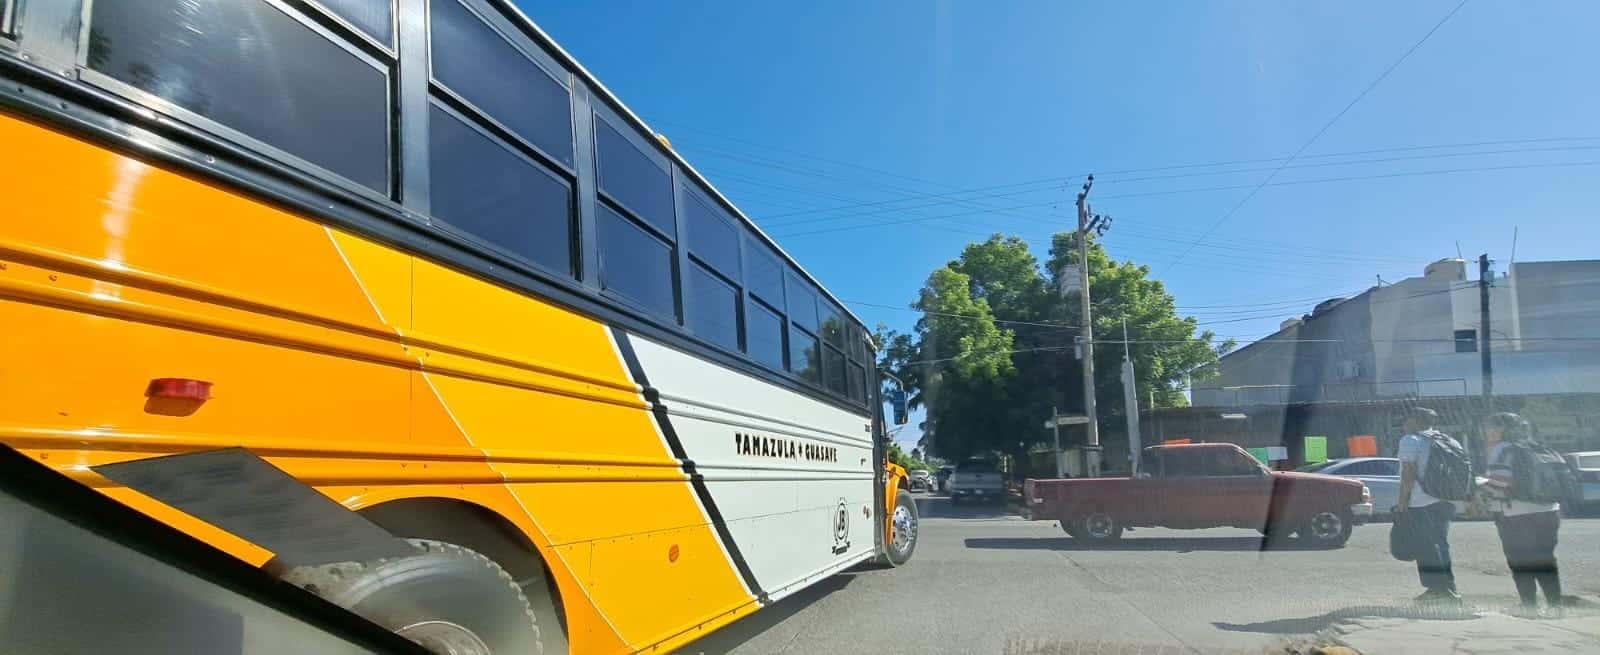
(664, 423)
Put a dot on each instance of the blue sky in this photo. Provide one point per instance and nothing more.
(802, 112)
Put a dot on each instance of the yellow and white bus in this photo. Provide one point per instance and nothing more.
(551, 389)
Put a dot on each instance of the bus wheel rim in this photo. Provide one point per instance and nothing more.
(445, 638)
(904, 529)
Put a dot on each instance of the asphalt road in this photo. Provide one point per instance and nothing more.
(985, 581)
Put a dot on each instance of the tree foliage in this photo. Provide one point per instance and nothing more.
(994, 348)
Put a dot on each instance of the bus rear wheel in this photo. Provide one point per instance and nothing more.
(448, 599)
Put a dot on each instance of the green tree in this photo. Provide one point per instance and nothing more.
(994, 349)
(1165, 347)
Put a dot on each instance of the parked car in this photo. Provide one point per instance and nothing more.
(921, 479)
(941, 479)
(1586, 465)
(1380, 474)
(976, 479)
(1203, 486)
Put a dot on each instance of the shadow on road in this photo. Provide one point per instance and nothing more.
(1169, 544)
(1320, 622)
(940, 507)
(749, 627)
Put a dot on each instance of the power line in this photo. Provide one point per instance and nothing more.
(1217, 340)
(1048, 183)
(1352, 162)
(1268, 179)
(946, 199)
(1351, 178)
(967, 316)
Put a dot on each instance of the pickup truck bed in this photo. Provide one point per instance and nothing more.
(1203, 486)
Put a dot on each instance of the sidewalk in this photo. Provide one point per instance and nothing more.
(1483, 632)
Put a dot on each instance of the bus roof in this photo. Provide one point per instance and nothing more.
(566, 59)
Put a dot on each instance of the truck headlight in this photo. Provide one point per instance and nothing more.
(1366, 494)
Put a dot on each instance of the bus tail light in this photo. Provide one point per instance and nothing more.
(179, 388)
(176, 396)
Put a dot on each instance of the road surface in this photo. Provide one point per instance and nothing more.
(985, 581)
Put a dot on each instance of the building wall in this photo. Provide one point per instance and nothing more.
(1557, 300)
(1399, 340)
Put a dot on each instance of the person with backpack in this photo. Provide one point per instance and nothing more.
(1434, 471)
(1527, 482)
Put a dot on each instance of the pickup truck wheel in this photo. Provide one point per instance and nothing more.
(1071, 528)
(1099, 526)
(1329, 528)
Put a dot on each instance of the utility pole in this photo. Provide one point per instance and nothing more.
(1092, 442)
(1485, 356)
(1130, 401)
(1055, 434)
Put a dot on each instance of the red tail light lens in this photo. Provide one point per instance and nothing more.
(180, 388)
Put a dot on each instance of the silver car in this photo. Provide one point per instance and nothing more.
(1380, 474)
(1586, 465)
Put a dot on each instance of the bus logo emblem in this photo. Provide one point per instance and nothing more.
(841, 528)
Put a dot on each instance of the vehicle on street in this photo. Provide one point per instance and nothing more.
(921, 479)
(1203, 486)
(976, 479)
(1380, 474)
(1586, 465)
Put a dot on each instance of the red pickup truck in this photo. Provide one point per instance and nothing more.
(1203, 486)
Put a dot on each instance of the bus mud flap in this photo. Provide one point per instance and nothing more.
(237, 491)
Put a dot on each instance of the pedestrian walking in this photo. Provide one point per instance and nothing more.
(1434, 471)
(1526, 483)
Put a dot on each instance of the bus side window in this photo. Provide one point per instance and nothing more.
(764, 309)
(474, 62)
(484, 187)
(711, 306)
(257, 68)
(635, 263)
(633, 180)
(763, 331)
(372, 17)
(804, 346)
(711, 285)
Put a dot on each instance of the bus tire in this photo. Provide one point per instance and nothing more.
(904, 528)
(447, 598)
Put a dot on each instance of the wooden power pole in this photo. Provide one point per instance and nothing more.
(1092, 441)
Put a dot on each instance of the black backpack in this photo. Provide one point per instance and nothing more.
(1449, 472)
(1540, 474)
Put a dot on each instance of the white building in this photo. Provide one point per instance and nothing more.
(1419, 337)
